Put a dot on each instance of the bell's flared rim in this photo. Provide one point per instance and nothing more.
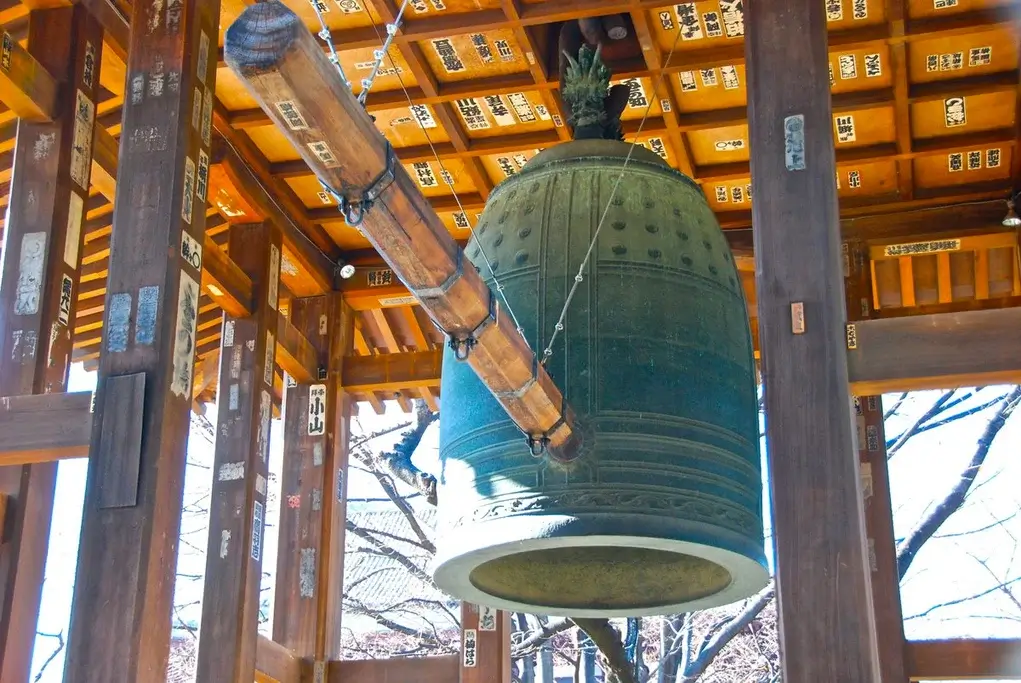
(460, 556)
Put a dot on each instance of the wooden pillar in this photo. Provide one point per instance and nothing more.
(230, 603)
(827, 628)
(310, 555)
(120, 619)
(485, 645)
(40, 275)
(881, 543)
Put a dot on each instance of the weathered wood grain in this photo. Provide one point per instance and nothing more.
(26, 86)
(44, 427)
(119, 451)
(936, 351)
(963, 659)
(230, 603)
(818, 525)
(310, 555)
(875, 484)
(40, 274)
(128, 555)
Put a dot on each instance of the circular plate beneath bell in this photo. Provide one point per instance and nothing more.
(595, 575)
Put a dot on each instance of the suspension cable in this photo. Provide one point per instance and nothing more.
(579, 276)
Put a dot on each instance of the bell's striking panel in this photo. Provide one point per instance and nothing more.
(662, 511)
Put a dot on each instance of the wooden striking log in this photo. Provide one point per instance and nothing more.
(133, 495)
(272, 51)
(49, 188)
(818, 523)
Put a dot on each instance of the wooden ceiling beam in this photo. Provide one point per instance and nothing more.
(311, 247)
(1004, 138)
(446, 116)
(25, 85)
(922, 352)
(662, 87)
(308, 243)
(391, 372)
(891, 206)
(537, 67)
(45, 427)
(896, 21)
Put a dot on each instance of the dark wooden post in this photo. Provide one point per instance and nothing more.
(48, 190)
(120, 619)
(827, 628)
(875, 483)
(230, 603)
(485, 645)
(310, 556)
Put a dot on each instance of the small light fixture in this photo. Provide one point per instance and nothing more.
(347, 271)
(1011, 220)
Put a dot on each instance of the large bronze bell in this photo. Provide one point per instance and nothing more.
(662, 511)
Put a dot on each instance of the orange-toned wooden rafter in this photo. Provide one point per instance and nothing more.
(962, 270)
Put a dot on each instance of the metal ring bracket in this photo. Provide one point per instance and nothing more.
(462, 347)
(354, 210)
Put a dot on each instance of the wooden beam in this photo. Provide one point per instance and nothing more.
(875, 485)
(225, 281)
(961, 659)
(274, 663)
(310, 255)
(393, 372)
(25, 85)
(133, 494)
(881, 542)
(288, 66)
(230, 604)
(40, 274)
(818, 525)
(936, 351)
(45, 427)
(310, 556)
(296, 355)
(397, 670)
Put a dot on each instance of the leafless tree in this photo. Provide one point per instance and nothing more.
(735, 643)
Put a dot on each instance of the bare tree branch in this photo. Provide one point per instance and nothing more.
(958, 601)
(57, 649)
(387, 551)
(538, 637)
(895, 407)
(924, 530)
(711, 649)
(608, 640)
(934, 409)
(397, 463)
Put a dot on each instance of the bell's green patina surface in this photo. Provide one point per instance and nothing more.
(661, 513)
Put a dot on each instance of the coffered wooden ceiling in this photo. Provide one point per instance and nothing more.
(925, 114)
